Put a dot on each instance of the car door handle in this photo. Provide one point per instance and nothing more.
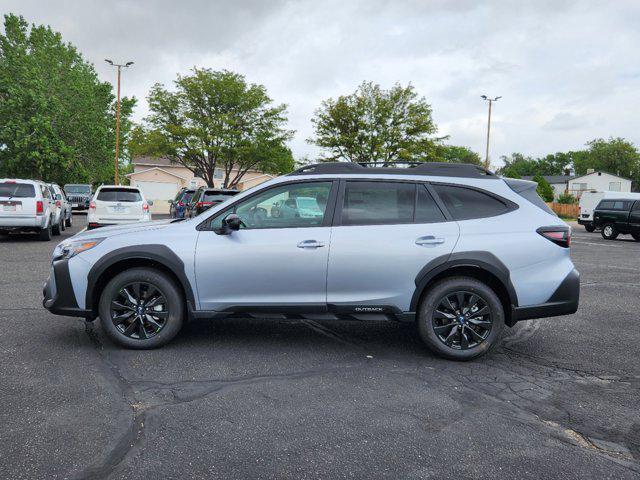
(310, 244)
(429, 240)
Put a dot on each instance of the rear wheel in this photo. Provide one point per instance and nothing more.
(46, 233)
(57, 228)
(460, 318)
(589, 227)
(141, 308)
(609, 232)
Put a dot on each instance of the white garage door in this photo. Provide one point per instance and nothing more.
(158, 190)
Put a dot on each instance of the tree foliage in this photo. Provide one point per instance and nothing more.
(567, 199)
(216, 120)
(456, 154)
(376, 125)
(57, 119)
(544, 189)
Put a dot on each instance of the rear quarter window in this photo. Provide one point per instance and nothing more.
(17, 190)
(466, 203)
(217, 196)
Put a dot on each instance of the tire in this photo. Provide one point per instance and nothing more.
(46, 233)
(609, 232)
(434, 327)
(57, 228)
(69, 221)
(166, 326)
(590, 228)
(636, 236)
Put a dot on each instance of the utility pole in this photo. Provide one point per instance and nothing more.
(490, 100)
(119, 66)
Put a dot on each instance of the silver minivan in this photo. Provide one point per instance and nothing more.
(453, 248)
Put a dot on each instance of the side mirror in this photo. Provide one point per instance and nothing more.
(230, 223)
(150, 203)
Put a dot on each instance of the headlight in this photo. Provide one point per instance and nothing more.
(72, 248)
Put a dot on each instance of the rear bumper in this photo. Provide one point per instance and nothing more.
(564, 301)
(17, 222)
(58, 294)
(582, 221)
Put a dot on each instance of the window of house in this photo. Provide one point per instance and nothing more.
(615, 186)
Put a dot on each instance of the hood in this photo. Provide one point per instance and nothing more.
(106, 232)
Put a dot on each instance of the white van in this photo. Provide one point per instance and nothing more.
(590, 200)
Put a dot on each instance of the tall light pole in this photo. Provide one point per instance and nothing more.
(490, 100)
(119, 66)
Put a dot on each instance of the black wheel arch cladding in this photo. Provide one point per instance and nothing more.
(154, 253)
(484, 261)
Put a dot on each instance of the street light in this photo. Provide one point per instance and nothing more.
(490, 100)
(119, 66)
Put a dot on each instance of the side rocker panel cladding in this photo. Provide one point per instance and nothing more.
(153, 252)
(477, 259)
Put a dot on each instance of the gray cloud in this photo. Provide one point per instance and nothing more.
(567, 70)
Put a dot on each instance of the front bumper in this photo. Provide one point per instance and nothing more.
(58, 293)
(582, 221)
(564, 301)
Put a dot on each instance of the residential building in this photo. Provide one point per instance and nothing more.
(599, 182)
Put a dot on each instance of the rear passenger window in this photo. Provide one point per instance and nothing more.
(427, 211)
(605, 205)
(466, 203)
(378, 203)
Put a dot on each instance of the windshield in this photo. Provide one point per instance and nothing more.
(17, 190)
(77, 188)
(119, 195)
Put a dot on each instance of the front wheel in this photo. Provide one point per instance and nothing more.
(609, 232)
(69, 221)
(460, 318)
(589, 227)
(141, 308)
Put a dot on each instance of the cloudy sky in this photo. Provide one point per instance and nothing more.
(568, 71)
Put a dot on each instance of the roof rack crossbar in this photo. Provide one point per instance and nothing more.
(441, 169)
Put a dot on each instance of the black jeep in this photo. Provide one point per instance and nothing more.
(614, 217)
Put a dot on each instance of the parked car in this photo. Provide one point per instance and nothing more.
(117, 205)
(79, 195)
(590, 200)
(58, 220)
(26, 206)
(61, 199)
(615, 216)
(178, 205)
(451, 247)
(204, 198)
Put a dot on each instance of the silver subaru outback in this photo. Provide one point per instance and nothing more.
(451, 247)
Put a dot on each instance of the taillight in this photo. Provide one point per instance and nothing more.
(92, 206)
(559, 235)
(180, 204)
(145, 207)
(58, 203)
(39, 207)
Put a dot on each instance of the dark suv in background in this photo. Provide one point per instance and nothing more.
(78, 195)
(205, 198)
(616, 216)
(178, 206)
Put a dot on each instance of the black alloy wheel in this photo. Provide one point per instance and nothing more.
(462, 320)
(139, 310)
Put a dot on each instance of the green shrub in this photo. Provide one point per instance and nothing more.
(567, 199)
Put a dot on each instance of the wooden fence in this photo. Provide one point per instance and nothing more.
(565, 210)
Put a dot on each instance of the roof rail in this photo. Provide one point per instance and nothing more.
(440, 169)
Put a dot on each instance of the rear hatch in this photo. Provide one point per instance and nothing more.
(17, 199)
(119, 204)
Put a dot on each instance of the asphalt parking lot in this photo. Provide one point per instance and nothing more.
(302, 399)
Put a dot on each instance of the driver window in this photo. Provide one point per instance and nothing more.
(288, 206)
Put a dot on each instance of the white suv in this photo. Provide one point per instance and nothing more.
(26, 206)
(451, 247)
(117, 205)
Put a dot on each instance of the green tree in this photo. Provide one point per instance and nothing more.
(567, 198)
(518, 165)
(545, 190)
(56, 118)
(456, 154)
(216, 120)
(615, 155)
(376, 125)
